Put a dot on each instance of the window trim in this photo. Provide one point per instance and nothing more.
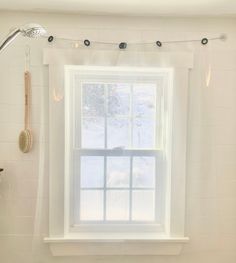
(121, 245)
(172, 243)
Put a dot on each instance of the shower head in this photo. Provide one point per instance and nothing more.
(28, 30)
(33, 30)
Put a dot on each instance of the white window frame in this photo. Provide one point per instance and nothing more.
(116, 75)
(171, 243)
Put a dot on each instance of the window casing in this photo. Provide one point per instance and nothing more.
(61, 239)
(105, 108)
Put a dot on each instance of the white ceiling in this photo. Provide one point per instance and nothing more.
(126, 7)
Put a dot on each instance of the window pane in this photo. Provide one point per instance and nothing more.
(93, 99)
(144, 100)
(118, 133)
(143, 205)
(93, 133)
(117, 205)
(91, 205)
(92, 171)
(143, 172)
(118, 171)
(118, 99)
(144, 133)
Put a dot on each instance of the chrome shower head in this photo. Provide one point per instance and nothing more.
(33, 30)
(28, 30)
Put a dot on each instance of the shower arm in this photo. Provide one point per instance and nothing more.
(11, 36)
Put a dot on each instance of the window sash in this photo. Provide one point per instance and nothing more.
(159, 124)
(158, 191)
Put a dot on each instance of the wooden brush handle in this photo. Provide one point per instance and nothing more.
(27, 98)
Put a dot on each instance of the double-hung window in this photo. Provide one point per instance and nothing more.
(116, 149)
(117, 152)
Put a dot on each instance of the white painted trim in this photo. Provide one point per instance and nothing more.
(59, 243)
(116, 246)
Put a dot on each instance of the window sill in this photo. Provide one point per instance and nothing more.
(130, 245)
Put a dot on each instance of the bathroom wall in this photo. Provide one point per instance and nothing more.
(211, 153)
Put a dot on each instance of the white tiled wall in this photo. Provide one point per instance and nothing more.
(211, 169)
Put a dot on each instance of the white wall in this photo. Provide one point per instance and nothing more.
(211, 169)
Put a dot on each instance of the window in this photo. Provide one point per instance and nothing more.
(115, 151)
(135, 165)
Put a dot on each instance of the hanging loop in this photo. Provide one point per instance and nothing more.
(158, 43)
(204, 41)
(86, 42)
(50, 39)
(27, 58)
(123, 45)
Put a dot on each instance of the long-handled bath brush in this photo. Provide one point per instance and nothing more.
(26, 138)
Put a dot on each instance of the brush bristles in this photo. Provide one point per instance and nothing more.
(25, 141)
